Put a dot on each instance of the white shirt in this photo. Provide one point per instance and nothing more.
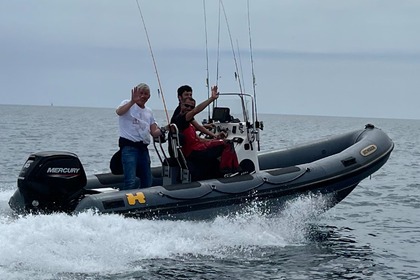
(135, 124)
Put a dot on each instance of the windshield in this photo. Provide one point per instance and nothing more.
(240, 105)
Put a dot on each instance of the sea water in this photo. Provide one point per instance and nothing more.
(373, 234)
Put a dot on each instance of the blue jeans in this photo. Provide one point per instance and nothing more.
(136, 163)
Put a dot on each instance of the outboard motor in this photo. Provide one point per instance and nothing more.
(48, 182)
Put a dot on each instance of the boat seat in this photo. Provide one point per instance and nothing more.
(175, 169)
(197, 169)
(175, 142)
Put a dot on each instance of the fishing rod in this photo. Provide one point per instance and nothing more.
(233, 49)
(154, 62)
(236, 63)
(257, 123)
(207, 56)
(218, 48)
(214, 104)
(240, 65)
(252, 61)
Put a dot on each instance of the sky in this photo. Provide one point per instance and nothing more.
(358, 58)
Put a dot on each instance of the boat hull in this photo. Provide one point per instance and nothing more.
(329, 168)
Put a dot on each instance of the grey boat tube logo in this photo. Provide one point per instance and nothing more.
(368, 150)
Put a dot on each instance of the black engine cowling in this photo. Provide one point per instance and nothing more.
(50, 181)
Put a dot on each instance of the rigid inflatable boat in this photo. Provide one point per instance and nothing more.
(332, 167)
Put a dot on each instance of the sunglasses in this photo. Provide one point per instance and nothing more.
(189, 106)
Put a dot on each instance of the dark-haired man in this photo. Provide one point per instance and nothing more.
(186, 91)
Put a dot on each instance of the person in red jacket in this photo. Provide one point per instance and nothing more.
(205, 150)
